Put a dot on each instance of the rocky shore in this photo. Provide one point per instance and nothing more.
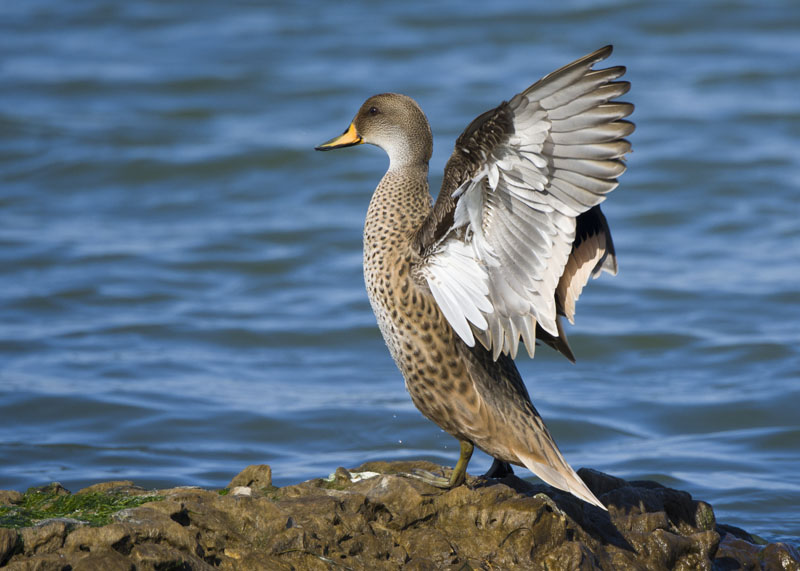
(374, 517)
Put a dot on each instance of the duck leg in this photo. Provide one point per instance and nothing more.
(457, 477)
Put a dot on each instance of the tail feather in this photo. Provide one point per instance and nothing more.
(563, 478)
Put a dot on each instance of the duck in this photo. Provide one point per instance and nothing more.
(499, 258)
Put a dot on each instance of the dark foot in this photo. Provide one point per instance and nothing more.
(499, 470)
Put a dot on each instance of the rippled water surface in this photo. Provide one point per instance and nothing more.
(181, 287)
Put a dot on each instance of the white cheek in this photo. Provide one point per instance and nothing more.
(397, 151)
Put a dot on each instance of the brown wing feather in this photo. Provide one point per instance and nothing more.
(592, 252)
(471, 149)
(559, 343)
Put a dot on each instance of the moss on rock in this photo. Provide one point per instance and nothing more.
(93, 506)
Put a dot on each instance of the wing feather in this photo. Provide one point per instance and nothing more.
(588, 83)
(596, 151)
(517, 231)
(593, 185)
(597, 169)
(592, 253)
(597, 116)
(566, 76)
(597, 134)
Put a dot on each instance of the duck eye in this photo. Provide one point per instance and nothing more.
(373, 111)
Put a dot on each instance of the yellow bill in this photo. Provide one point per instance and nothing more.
(346, 139)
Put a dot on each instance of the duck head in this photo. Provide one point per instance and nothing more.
(393, 122)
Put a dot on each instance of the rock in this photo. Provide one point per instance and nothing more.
(9, 539)
(735, 550)
(114, 537)
(256, 476)
(46, 537)
(781, 556)
(10, 497)
(43, 562)
(160, 556)
(103, 560)
(392, 521)
(52, 489)
(116, 486)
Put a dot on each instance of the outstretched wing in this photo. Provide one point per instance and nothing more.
(497, 243)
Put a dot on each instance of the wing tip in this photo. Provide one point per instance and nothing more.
(604, 52)
(608, 264)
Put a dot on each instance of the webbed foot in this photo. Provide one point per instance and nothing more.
(430, 478)
(457, 477)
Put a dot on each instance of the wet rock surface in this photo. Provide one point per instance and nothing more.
(376, 517)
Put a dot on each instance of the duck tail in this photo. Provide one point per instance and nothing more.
(561, 476)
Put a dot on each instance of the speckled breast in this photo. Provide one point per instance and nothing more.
(420, 340)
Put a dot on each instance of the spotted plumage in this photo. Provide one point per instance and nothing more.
(503, 254)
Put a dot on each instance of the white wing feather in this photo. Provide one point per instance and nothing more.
(496, 271)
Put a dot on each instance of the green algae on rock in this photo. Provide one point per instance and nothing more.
(93, 506)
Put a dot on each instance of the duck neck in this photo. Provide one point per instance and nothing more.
(399, 204)
(405, 158)
(410, 150)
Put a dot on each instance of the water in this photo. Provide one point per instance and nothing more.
(181, 283)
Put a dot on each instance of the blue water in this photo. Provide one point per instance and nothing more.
(181, 274)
